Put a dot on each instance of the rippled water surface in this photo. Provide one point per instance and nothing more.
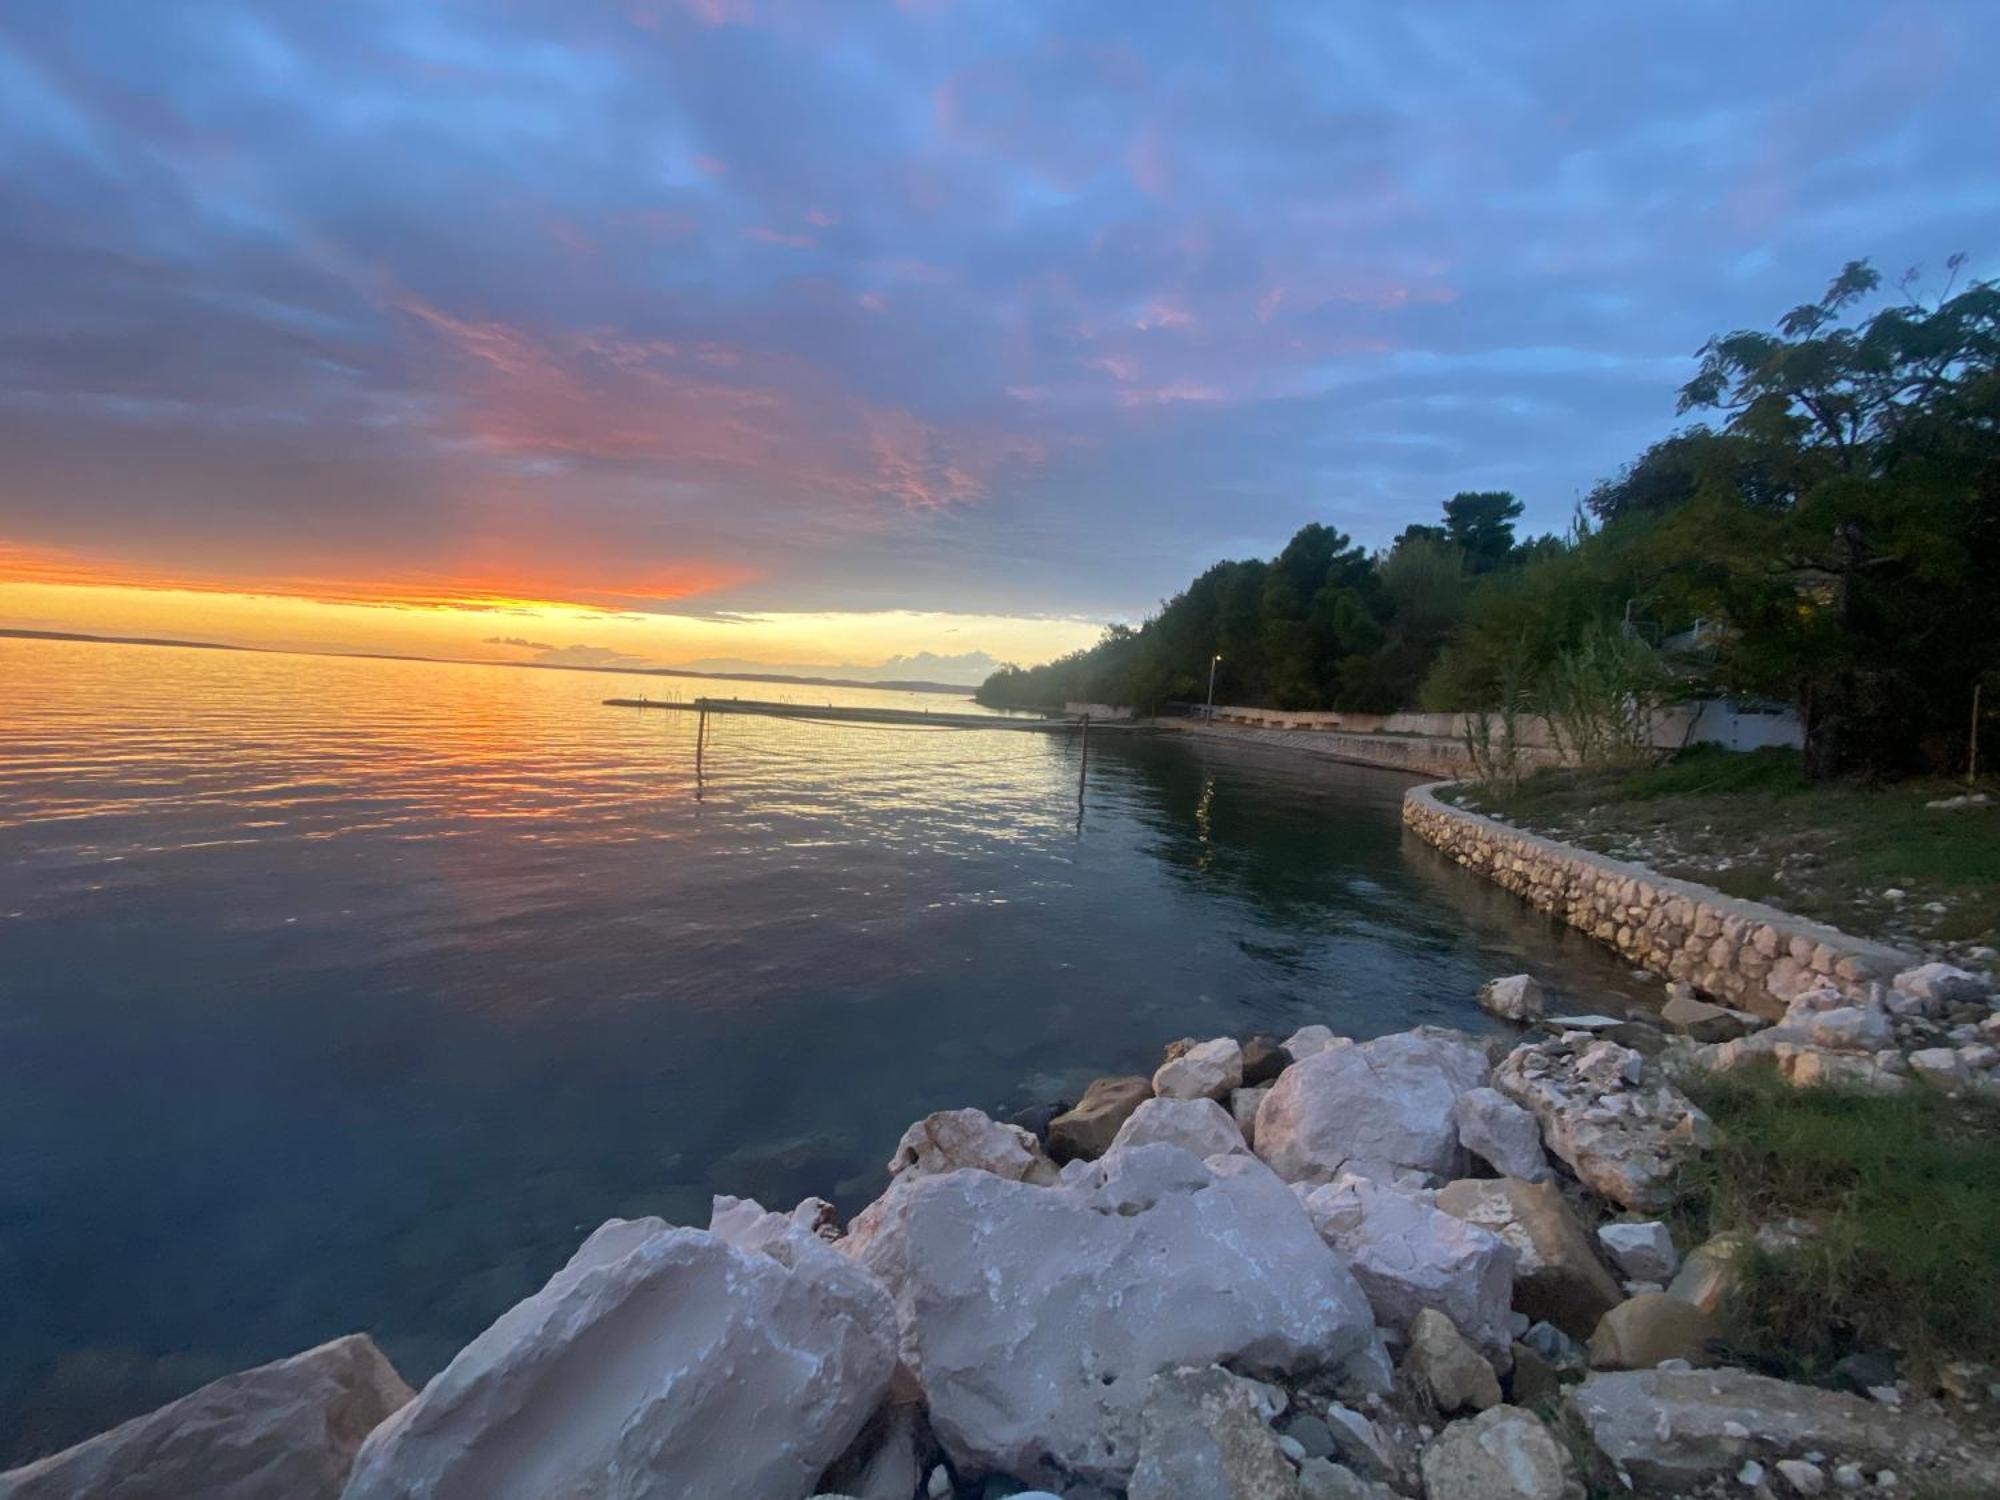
(343, 994)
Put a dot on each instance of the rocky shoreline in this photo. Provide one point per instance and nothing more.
(1425, 1264)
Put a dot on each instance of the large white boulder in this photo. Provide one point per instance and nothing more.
(1035, 1318)
(1310, 1041)
(954, 1138)
(283, 1431)
(1382, 1109)
(1502, 1134)
(659, 1361)
(1408, 1255)
(1199, 1126)
(1622, 1131)
(1516, 997)
(1207, 1070)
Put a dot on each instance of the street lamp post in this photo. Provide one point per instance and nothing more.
(1213, 662)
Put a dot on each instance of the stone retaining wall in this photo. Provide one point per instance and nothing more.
(1741, 953)
(1392, 752)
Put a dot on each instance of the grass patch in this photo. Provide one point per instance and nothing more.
(1904, 1192)
(1751, 825)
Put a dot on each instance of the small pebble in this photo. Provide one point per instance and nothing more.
(1804, 1478)
(939, 1487)
(1885, 1479)
(1849, 1477)
(1750, 1475)
(1735, 1430)
(1292, 1448)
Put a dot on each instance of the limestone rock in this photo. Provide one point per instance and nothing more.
(1449, 1367)
(1207, 1070)
(1641, 1252)
(659, 1360)
(1086, 1132)
(1703, 1022)
(1201, 1438)
(1320, 1479)
(288, 1430)
(1623, 1138)
(1034, 1318)
(1669, 1427)
(1515, 998)
(1941, 1067)
(1502, 1454)
(1502, 1134)
(1557, 1275)
(1940, 985)
(954, 1138)
(1264, 1058)
(1243, 1107)
(1308, 1041)
(1408, 1255)
(1804, 1478)
(1379, 1109)
(1851, 1028)
(1360, 1445)
(1648, 1330)
(1200, 1126)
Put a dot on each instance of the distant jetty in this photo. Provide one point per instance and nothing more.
(848, 714)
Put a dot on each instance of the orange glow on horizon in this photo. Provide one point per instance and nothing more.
(514, 590)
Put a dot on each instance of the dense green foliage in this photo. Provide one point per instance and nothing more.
(1903, 1193)
(1833, 542)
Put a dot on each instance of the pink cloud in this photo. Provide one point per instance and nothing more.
(770, 236)
(1164, 312)
(1168, 395)
(703, 410)
(819, 218)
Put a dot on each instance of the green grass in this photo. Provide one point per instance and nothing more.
(1904, 1191)
(1753, 826)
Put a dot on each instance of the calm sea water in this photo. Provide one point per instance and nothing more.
(343, 994)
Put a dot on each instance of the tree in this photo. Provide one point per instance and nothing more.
(1876, 601)
(1480, 523)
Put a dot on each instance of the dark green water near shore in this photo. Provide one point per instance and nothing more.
(347, 994)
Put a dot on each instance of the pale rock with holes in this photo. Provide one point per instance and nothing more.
(1207, 1070)
(288, 1430)
(1408, 1256)
(659, 1360)
(1502, 1134)
(955, 1138)
(1200, 1126)
(1381, 1109)
(1035, 1318)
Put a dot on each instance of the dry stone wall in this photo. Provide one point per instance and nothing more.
(1742, 953)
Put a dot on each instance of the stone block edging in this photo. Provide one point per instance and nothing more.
(1742, 953)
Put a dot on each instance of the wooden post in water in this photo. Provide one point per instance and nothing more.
(1972, 745)
(700, 737)
(1083, 766)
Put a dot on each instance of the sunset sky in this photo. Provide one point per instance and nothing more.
(825, 334)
